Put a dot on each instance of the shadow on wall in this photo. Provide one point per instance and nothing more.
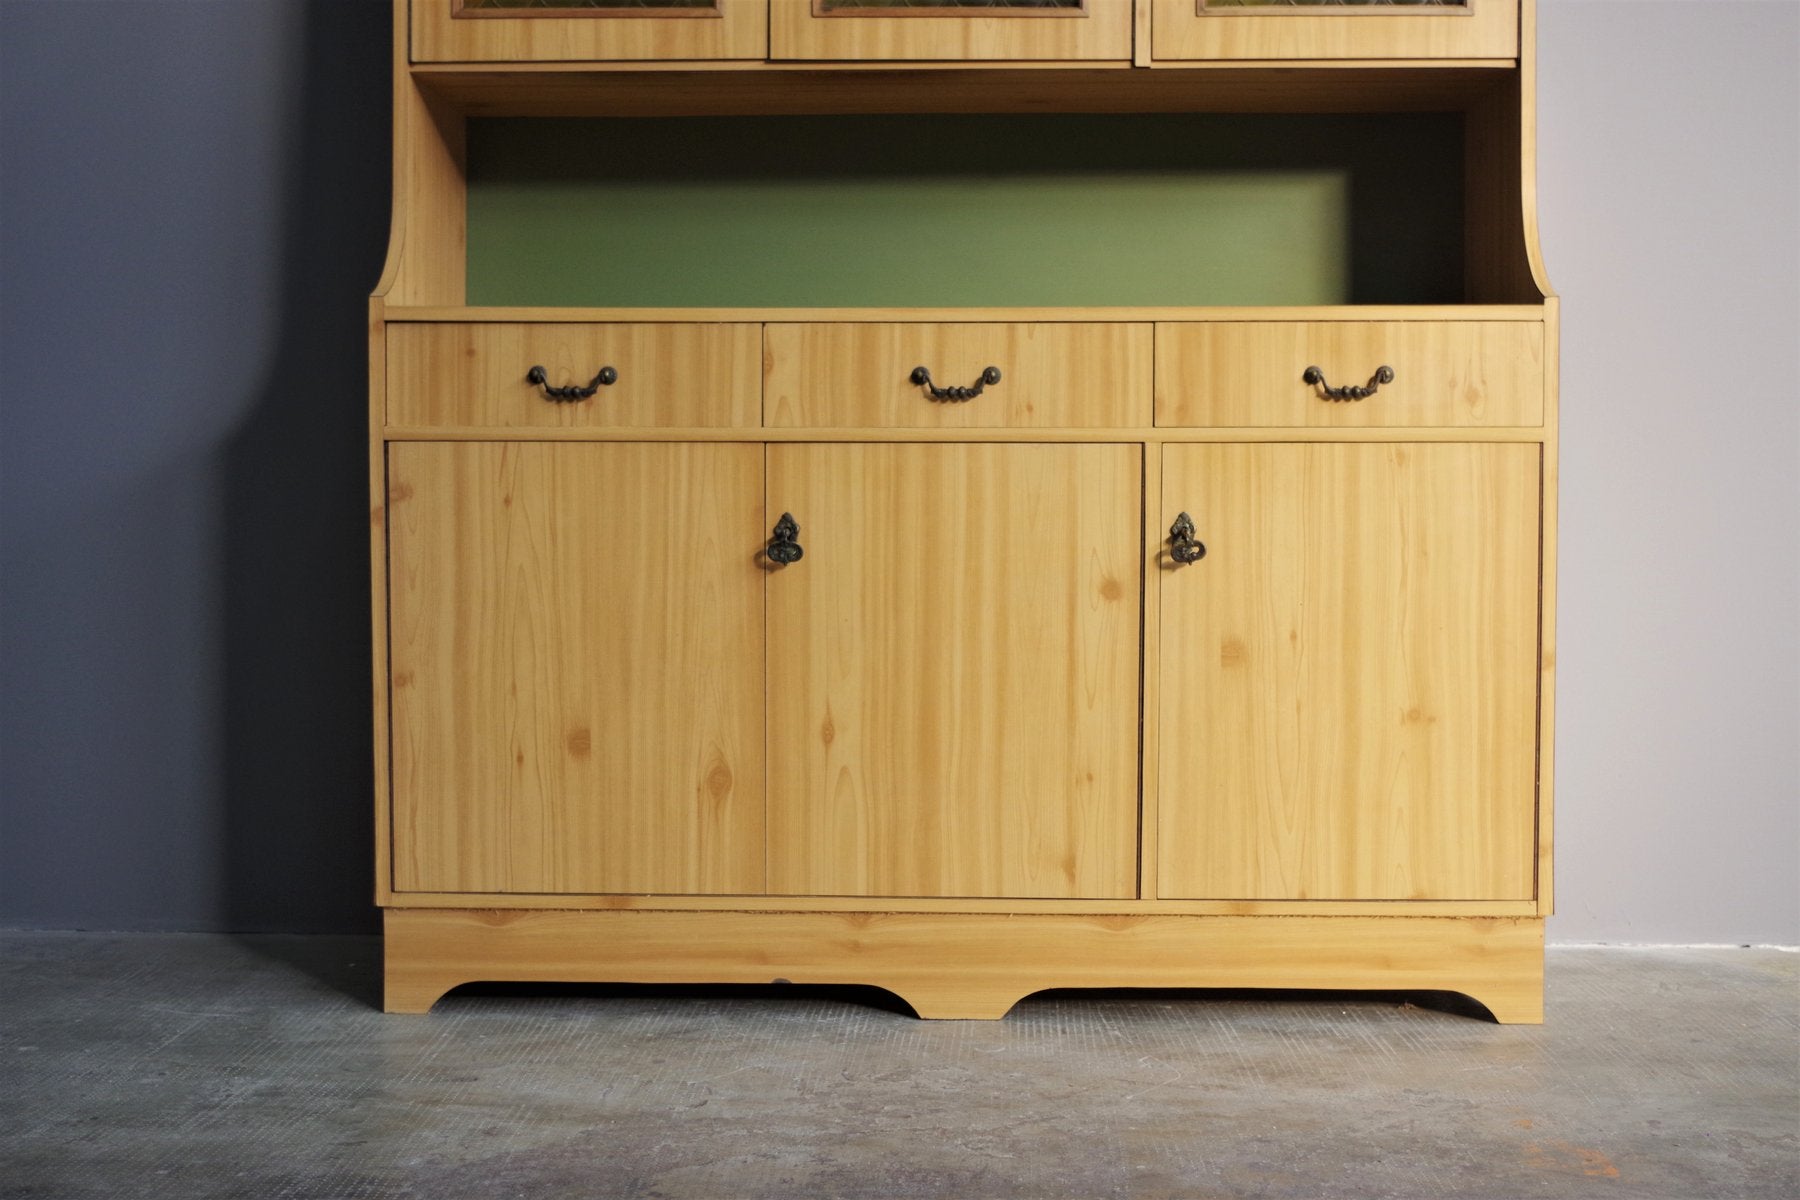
(297, 852)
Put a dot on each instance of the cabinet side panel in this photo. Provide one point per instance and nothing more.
(378, 598)
(953, 671)
(1351, 713)
(577, 667)
(1546, 798)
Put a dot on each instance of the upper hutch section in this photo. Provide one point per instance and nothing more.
(1171, 31)
(1450, 219)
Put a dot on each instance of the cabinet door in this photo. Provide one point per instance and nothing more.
(587, 30)
(950, 29)
(1349, 679)
(577, 681)
(953, 671)
(1339, 29)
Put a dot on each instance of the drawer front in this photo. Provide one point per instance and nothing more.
(1338, 29)
(1445, 374)
(458, 374)
(951, 30)
(587, 30)
(1051, 376)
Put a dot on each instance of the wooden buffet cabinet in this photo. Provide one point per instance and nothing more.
(750, 609)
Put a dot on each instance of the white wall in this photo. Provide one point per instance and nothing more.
(1669, 187)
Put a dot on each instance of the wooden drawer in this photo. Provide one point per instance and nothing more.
(1279, 29)
(1012, 30)
(1450, 374)
(583, 31)
(667, 375)
(1051, 375)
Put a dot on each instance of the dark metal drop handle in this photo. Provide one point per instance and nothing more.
(784, 547)
(606, 378)
(1315, 377)
(1184, 547)
(989, 378)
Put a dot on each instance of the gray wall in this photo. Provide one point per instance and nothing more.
(192, 207)
(1669, 195)
(192, 212)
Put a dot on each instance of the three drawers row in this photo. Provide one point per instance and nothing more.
(967, 375)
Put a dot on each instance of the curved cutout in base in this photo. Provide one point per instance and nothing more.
(968, 966)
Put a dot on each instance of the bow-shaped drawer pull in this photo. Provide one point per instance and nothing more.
(606, 378)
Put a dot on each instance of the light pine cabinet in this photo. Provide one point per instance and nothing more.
(953, 671)
(577, 669)
(588, 30)
(1178, 627)
(1003, 30)
(1349, 710)
(1228, 30)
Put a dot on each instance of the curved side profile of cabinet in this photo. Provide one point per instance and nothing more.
(969, 651)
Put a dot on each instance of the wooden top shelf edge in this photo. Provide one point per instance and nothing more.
(1346, 312)
(772, 89)
(760, 66)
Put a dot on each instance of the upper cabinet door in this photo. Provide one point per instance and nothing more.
(1349, 673)
(961, 30)
(1327, 29)
(588, 30)
(953, 671)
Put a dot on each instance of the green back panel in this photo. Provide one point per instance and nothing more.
(966, 210)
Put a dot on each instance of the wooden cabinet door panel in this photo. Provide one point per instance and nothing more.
(1320, 29)
(1348, 677)
(1016, 30)
(587, 30)
(953, 671)
(577, 677)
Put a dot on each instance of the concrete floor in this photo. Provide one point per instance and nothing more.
(193, 1067)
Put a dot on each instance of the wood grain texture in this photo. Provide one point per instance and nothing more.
(740, 30)
(577, 667)
(1546, 798)
(1150, 679)
(953, 671)
(1501, 260)
(950, 966)
(428, 234)
(797, 30)
(428, 225)
(746, 89)
(619, 901)
(1453, 374)
(1349, 698)
(403, 314)
(1182, 30)
(1528, 154)
(691, 375)
(378, 601)
(1052, 375)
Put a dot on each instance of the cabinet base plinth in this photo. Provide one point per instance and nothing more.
(967, 965)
